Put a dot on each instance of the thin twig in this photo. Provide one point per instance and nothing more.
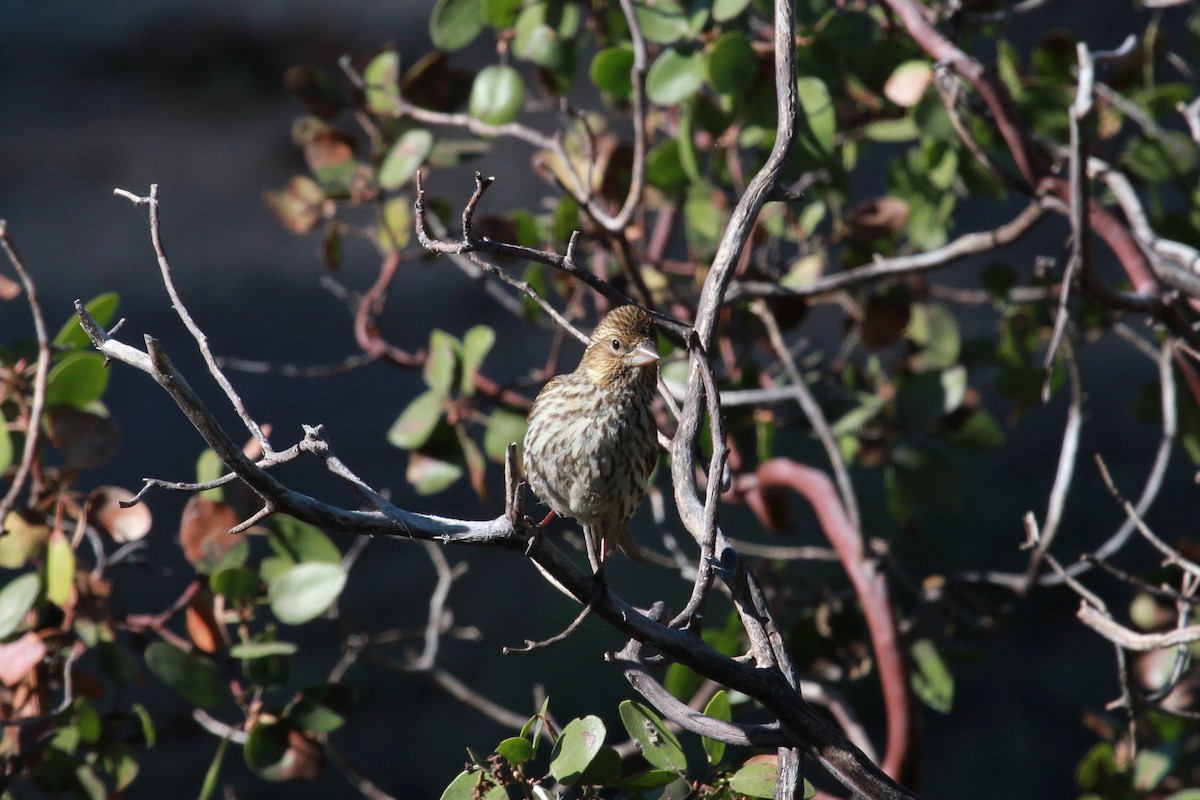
(33, 426)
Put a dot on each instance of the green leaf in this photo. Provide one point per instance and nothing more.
(500, 14)
(705, 214)
(16, 599)
(60, 569)
(931, 679)
(544, 34)
(650, 779)
(439, 364)
(658, 744)
(516, 750)
(213, 773)
(476, 344)
(322, 707)
(666, 21)
(6, 445)
(725, 10)
(76, 380)
(454, 24)
(102, 308)
(604, 770)
(980, 431)
(503, 427)
(731, 63)
(382, 79)
(934, 330)
(430, 474)
(470, 785)
(674, 76)
(146, 723)
(269, 670)
(305, 591)
(718, 708)
(579, 743)
(612, 69)
(193, 676)
(209, 468)
(664, 167)
(404, 158)
(265, 749)
(817, 122)
(252, 650)
(756, 779)
(299, 541)
(237, 584)
(395, 225)
(1151, 766)
(416, 423)
(497, 95)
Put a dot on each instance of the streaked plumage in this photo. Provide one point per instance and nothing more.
(592, 442)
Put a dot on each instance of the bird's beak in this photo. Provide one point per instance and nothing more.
(645, 354)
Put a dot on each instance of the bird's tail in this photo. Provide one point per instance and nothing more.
(618, 537)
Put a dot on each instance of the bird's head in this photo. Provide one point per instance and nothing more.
(622, 348)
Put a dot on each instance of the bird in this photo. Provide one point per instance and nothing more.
(592, 443)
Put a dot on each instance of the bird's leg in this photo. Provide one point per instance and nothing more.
(546, 520)
(595, 553)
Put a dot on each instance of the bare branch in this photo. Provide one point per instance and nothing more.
(1112, 630)
(33, 426)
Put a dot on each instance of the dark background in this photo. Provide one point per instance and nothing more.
(188, 95)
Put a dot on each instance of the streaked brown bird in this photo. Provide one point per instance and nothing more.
(592, 442)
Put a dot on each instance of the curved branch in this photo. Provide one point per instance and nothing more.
(870, 585)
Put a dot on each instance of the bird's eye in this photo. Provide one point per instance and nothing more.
(616, 345)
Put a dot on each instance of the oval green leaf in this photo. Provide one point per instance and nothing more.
(931, 680)
(756, 779)
(454, 24)
(305, 591)
(60, 569)
(414, 425)
(194, 677)
(299, 541)
(382, 80)
(236, 584)
(76, 380)
(664, 167)
(612, 70)
(102, 308)
(503, 427)
(718, 708)
(579, 743)
(516, 750)
(470, 786)
(662, 21)
(658, 744)
(322, 708)
(405, 158)
(16, 599)
(500, 14)
(440, 362)
(731, 63)
(725, 10)
(497, 95)
(430, 474)
(819, 122)
(674, 76)
(251, 650)
(476, 344)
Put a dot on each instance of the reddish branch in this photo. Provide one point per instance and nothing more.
(1020, 145)
(870, 585)
(366, 334)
